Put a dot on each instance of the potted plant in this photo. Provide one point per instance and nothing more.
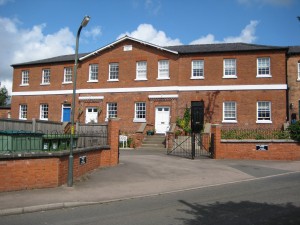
(150, 132)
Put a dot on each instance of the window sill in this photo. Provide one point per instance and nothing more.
(229, 121)
(116, 80)
(140, 79)
(92, 81)
(135, 120)
(230, 77)
(24, 85)
(45, 84)
(163, 78)
(263, 76)
(298, 79)
(264, 121)
(197, 78)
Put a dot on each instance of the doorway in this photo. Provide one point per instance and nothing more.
(66, 113)
(162, 119)
(91, 115)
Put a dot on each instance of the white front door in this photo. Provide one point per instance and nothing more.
(91, 115)
(162, 119)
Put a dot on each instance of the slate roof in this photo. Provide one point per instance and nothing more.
(57, 59)
(181, 49)
(293, 50)
(222, 47)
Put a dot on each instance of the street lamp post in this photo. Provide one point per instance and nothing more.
(84, 22)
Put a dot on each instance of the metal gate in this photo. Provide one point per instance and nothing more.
(193, 146)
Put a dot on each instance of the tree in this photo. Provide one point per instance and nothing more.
(3, 96)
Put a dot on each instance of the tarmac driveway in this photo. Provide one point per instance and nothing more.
(143, 173)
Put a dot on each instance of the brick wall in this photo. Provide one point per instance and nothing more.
(239, 149)
(52, 171)
(294, 85)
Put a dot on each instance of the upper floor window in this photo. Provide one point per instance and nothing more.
(44, 111)
(298, 71)
(112, 110)
(229, 112)
(197, 69)
(113, 72)
(229, 68)
(163, 69)
(46, 76)
(264, 112)
(23, 112)
(140, 112)
(25, 77)
(263, 67)
(141, 70)
(68, 75)
(93, 72)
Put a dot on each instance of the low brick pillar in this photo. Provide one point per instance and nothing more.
(216, 131)
(169, 140)
(111, 158)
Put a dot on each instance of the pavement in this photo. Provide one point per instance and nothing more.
(142, 173)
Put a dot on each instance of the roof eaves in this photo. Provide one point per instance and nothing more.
(126, 38)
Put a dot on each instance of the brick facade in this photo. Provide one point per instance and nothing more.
(293, 76)
(245, 90)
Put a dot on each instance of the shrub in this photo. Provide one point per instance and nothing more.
(294, 130)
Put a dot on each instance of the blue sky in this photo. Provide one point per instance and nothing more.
(36, 29)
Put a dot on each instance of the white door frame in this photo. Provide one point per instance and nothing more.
(162, 119)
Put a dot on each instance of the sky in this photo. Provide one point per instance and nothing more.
(38, 29)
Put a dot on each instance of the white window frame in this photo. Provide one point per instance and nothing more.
(113, 71)
(229, 68)
(230, 108)
(263, 107)
(44, 111)
(264, 63)
(111, 110)
(298, 79)
(68, 75)
(46, 76)
(163, 70)
(141, 70)
(23, 112)
(197, 72)
(140, 112)
(25, 78)
(93, 72)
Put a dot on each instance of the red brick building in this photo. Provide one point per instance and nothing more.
(293, 74)
(236, 84)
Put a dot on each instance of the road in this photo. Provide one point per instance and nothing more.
(271, 200)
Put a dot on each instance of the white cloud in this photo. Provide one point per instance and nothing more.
(93, 32)
(148, 33)
(22, 45)
(266, 2)
(153, 6)
(247, 35)
(208, 39)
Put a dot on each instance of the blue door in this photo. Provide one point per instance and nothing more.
(66, 114)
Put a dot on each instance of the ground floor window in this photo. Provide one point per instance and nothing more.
(23, 112)
(263, 112)
(229, 112)
(140, 112)
(44, 111)
(112, 110)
